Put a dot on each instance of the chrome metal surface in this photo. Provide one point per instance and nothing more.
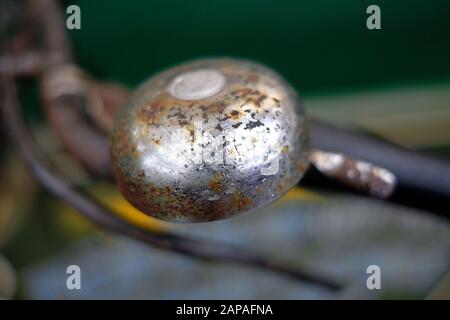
(209, 139)
(360, 175)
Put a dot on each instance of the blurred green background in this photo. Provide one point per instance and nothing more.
(320, 45)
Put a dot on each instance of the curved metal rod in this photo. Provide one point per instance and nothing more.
(423, 181)
(107, 219)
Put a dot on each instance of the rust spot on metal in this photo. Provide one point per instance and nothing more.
(240, 201)
(191, 130)
(248, 91)
(235, 115)
(216, 107)
(216, 183)
(255, 102)
(151, 113)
